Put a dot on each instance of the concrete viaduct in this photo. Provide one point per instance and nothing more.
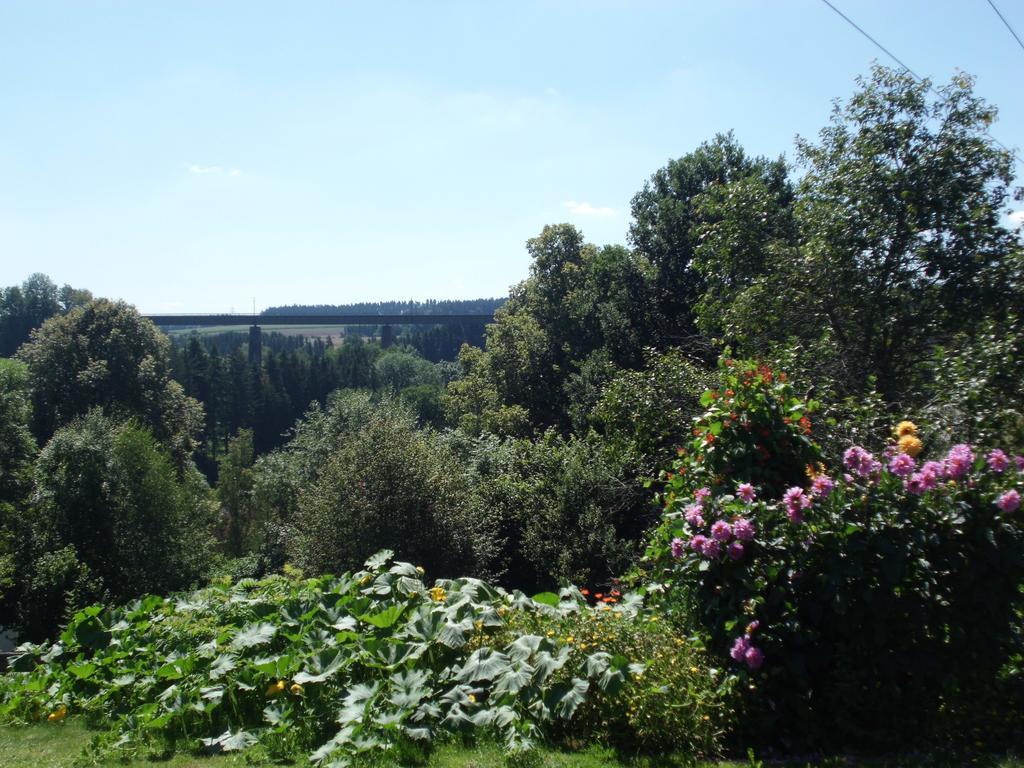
(256, 322)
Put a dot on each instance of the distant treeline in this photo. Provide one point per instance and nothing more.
(428, 307)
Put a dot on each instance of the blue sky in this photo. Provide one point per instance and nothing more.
(192, 156)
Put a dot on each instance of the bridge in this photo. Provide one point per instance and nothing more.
(256, 322)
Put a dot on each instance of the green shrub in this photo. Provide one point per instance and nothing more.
(556, 510)
(857, 604)
(648, 412)
(385, 483)
(109, 497)
(358, 665)
(977, 390)
(675, 701)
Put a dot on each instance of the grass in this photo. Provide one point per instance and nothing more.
(62, 746)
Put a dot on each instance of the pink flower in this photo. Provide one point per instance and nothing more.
(743, 529)
(902, 465)
(998, 461)
(915, 484)
(754, 657)
(698, 542)
(958, 461)
(739, 649)
(931, 473)
(721, 531)
(712, 549)
(678, 545)
(822, 486)
(735, 550)
(859, 461)
(752, 627)
(1009, 501)
(693, 515)
(796, 502)
(1019, 461)
(701, 495)
(746, 492)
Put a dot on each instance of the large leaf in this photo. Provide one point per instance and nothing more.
(379, 560)
(546, 598)
(483, 664)
(564, 698)
(231, 742)
(253, 635)
(385, 618)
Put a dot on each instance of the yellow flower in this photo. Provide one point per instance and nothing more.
(813, 470)
(276, 688)
(296, 689)
(472, 699)
(58, 714)
(438, 595)
(906, 428)
(910, 445)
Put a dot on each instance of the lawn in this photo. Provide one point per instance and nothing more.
(58, 746)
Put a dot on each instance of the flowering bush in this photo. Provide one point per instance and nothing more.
(754, 430)
(857, 601)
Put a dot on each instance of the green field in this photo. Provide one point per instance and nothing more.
(64, 746)
(58, 746)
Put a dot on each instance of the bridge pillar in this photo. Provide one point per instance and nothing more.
(387, 337)
(255, 345)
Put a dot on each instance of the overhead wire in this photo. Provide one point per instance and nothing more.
(1007, 24)
(912, 73)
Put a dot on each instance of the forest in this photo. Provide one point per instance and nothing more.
(765, 460)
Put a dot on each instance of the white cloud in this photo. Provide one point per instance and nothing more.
(586, 209)
(202, 170)
(1017, 217)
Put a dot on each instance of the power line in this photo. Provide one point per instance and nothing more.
(913, 74)
(1003, 19)
(877, 44)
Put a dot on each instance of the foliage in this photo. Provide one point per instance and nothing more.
(579, 300)
(397, 369)
(978, 388)
(234, 490)
(17, 453)
(754, 430)
(24, 308)
(343, 666)
(555, 510)
(668, 224)
(901, 242)
(648, 411)
(870, 598)
(108, 500)
(677, 703)
(105, 355)
(384, 482)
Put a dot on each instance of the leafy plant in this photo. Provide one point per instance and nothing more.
(338, 666)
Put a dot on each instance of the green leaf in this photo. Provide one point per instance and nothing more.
(378, 560)
(82, 671)
(386, 618)
(546, 598)
(254, 635)
(483, 664)
(564, 698)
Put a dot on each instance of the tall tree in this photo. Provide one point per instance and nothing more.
(106, 355)
(666, 219)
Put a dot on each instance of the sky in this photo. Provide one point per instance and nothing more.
(206, 156)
